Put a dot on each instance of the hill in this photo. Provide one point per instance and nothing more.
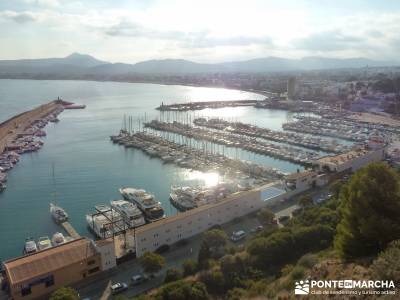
(85, 65)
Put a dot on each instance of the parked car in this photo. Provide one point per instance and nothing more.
(257, 229)
(118, 287)
(138, 279)
(238, 235)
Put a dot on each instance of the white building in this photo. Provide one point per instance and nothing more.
(350, 161)
(302, 181)
(106, 249)
(184, 225)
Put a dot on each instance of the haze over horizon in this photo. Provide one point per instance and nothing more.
(206, 32)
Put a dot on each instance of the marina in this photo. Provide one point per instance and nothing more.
(324, 127)
(95, 175)
(230, 139)
(185, 156)
(297, 139)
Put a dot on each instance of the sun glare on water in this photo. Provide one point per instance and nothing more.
(208, 179)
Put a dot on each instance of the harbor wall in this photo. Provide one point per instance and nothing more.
(184, 225)
(10, 128)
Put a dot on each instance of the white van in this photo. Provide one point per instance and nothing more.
(238, 235)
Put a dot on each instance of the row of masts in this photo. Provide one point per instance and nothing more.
(129, 122)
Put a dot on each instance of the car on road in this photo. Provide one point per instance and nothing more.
(138, 279)
(238, 235)
(118, 287)
(257, 229)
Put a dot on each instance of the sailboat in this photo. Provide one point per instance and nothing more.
(58, 214)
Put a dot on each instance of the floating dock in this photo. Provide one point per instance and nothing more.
(70, 230)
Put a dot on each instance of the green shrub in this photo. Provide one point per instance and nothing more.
(190, 267)
(297, 273)
(308, 260)
(173, 274)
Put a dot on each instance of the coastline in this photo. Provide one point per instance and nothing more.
(258, 92)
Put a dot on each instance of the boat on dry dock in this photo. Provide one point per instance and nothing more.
(105, 222)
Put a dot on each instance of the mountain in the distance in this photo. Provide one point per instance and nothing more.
(82, 64)
(72, 63)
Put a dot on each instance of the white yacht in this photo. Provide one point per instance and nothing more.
(130, 213)
(58, 239)
(151, 209)
(183, 198)
(59, 214)
(30, 246)
(44, 243)
(105, 222)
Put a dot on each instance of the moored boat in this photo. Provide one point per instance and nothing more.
(58, 214)
(44, 243)
(30, 246)
(105, 222)
(151, 209)
(58, 239)
(130, 213)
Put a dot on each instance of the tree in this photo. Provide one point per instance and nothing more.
(265, 216)
(215, 238)
(204, 255)
(234, 269)
(172, 274)
(214, 280)
(305, 201)
(65, 293)
(335, 188)
(190, 267)
(152, 262)
(183, 290)
(370, 209)
(387, 265)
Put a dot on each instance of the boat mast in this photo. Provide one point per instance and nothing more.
(54, 185)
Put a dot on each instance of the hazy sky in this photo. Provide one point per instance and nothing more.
(203, 30)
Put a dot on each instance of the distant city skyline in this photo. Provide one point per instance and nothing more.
(202, 31)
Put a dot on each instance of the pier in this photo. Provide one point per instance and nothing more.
(198, 105)
(70, 230)
(21, 134)
(10, 129)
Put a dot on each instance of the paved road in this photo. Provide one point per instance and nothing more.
(97, 288)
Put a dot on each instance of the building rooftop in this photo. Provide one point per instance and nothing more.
(342, 158)
(47, 261)
(299, 175)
